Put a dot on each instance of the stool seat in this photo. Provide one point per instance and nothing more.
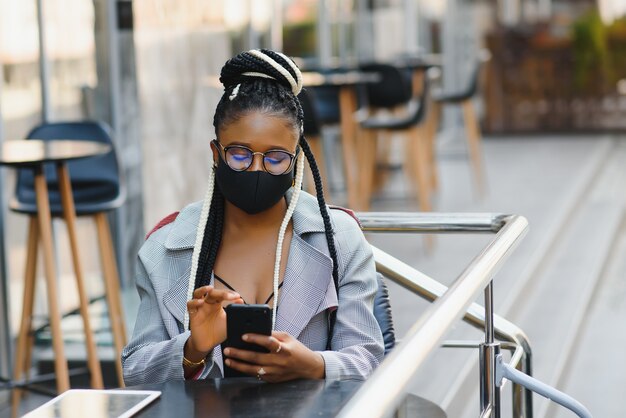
(101, 203)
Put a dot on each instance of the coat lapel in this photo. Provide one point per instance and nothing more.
(175, 298)
(308, 287)
(181, 239)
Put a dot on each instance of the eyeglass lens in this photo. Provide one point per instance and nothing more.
(274, 162)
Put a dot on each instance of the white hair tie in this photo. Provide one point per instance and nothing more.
(234, 93)
(256, 74)
(295, 83)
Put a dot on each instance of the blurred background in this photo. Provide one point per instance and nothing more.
(551, 107)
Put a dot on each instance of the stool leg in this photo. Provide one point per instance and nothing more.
(383, 157)
(111, 280)
(474, 142)
(418, 150)
(45, 230)
(347, 105)
(433, 121)
(367, 163)
(70, 219)
(23, 348)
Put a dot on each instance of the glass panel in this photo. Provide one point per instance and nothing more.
(70, 46)
(19, 49)
(181, 46)
(20, 110)
(341, 14)
(300, 28)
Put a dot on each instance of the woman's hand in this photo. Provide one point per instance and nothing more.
(287, 359)
(207, 319)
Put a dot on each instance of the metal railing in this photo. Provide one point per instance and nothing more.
(377, 397)
(429, 289)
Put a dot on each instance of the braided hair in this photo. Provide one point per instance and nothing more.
(269, 82)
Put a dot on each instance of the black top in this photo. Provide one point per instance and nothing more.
(233, 289)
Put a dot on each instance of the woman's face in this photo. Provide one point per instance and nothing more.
(260, 132)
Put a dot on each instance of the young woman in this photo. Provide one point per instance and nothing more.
(256, 238)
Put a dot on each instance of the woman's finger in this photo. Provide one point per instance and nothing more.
(220, 295)
(281, 336)
(260, 372)
(246, 355)
(270, 343)
(193, 305)
(200, 292)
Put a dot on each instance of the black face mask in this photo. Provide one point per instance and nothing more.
(252, 191)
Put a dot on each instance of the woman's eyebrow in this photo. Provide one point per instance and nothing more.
(250, 145)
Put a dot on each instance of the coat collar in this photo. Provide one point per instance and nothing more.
(308, 287)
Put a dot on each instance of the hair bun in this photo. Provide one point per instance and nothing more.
(262, 63)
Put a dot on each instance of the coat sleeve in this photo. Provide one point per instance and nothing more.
(152, 356)
(357, 341)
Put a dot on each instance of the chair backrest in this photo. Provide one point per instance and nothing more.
(382, 312)
(392, 90)
(312, 122)
(93, 180)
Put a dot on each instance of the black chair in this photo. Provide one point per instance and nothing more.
(394, 90)
(327, 104)
(464, 98)
(313, 134)
(96, 189)
(382, 312)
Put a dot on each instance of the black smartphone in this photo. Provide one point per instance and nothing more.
(245, 319)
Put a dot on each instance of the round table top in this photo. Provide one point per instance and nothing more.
(29, 152)
(346, 78)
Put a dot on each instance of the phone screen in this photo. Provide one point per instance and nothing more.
(245, 319)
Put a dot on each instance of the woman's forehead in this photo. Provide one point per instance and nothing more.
(261, 129)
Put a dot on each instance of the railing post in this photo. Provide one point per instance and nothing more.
(489, 393)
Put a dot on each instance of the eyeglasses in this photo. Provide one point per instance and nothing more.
(275, 162)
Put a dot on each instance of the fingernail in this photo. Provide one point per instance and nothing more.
(245, 337)
(227, 351)
(228, 362)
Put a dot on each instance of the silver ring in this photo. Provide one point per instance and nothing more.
(261, 372)
(280, 347)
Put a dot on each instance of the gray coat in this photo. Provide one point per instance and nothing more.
(155, 351)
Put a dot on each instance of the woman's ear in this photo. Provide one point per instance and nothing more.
(215, 153)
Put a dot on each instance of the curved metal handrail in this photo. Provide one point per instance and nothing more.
(376, 396)
(430, 290)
